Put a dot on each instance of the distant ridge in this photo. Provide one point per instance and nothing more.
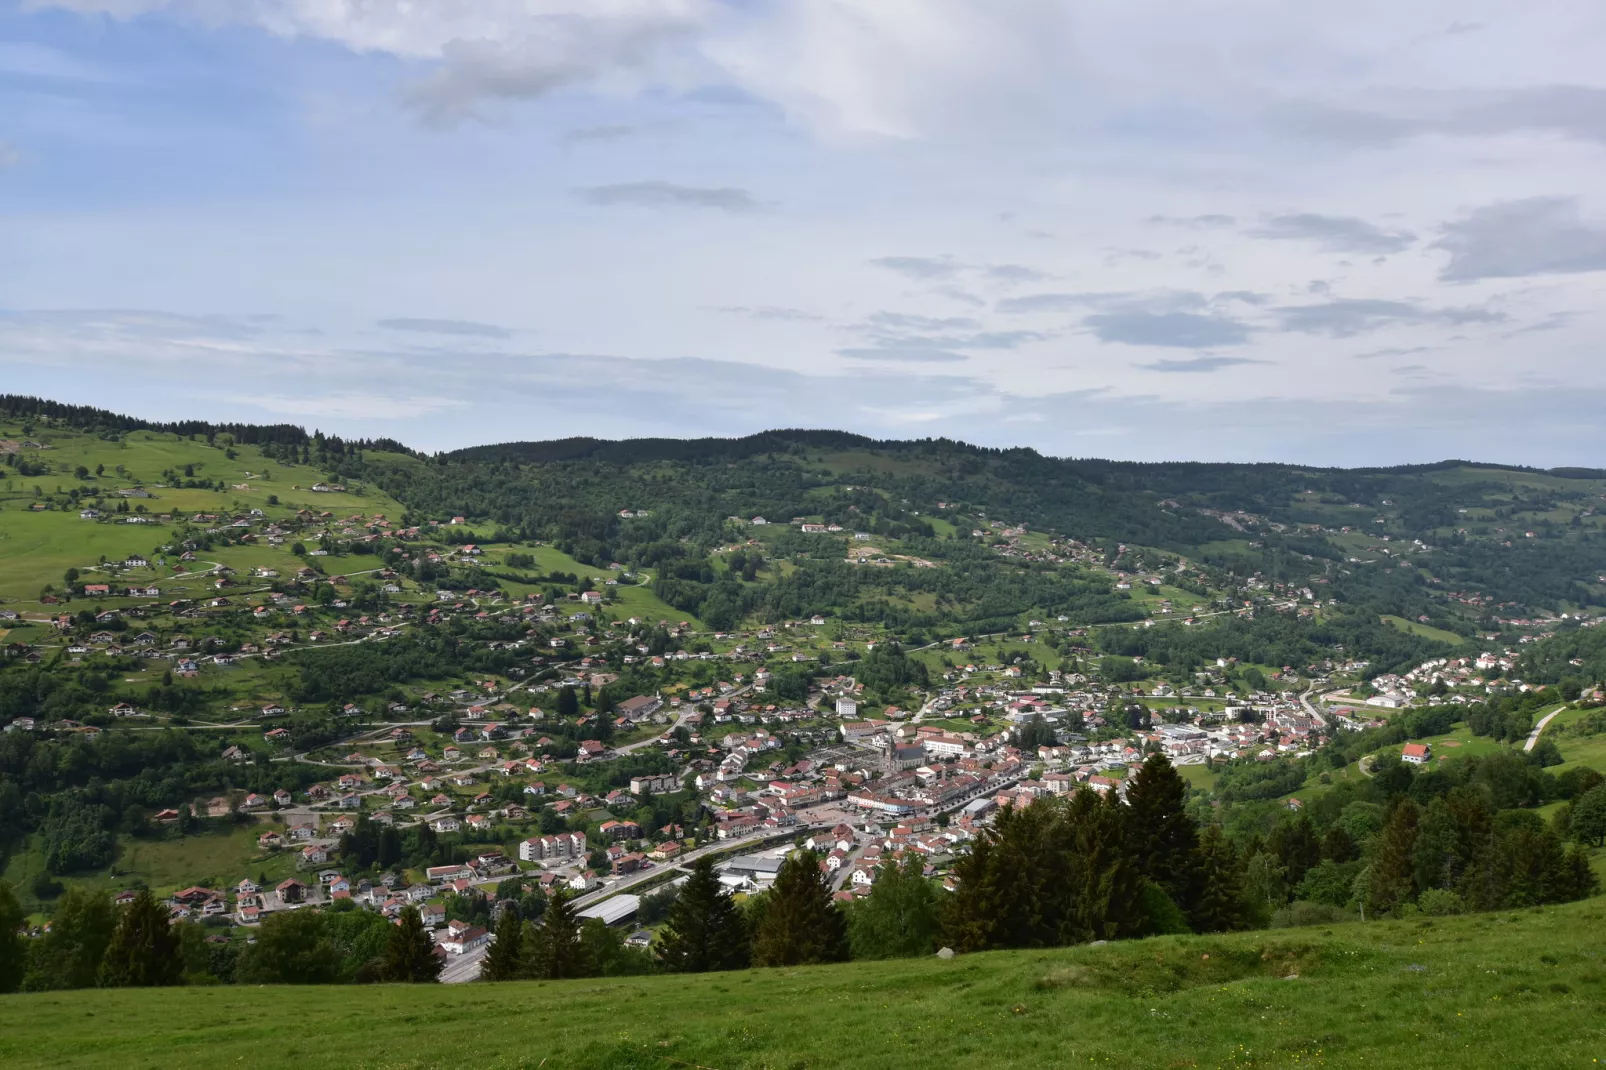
(641, 450)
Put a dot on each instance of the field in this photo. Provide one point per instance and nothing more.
(165, 866)
(1417, 628)
(1412, 994)
(36, 548)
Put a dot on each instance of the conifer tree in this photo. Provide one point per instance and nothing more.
(1393, 872)
(801, 926)
(1220, 904)
(1004, 896)
(1436, 860)
(705, 929)
(409, 952)
(503, 960)
(144, 949)
(968, 916)
(1297, 849)
(1161, 834)
(1101, 877)
(13, 952)
(555, 952)
(1339, 846)
(1577, 878)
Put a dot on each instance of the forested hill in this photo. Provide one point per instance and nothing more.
(1396, 539)
(1420, 541)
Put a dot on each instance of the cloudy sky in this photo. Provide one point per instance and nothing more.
(1360, 233)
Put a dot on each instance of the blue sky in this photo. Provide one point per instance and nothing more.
(1247, 230)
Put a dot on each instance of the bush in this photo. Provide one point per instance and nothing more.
(1303, 912)
(1440, 903)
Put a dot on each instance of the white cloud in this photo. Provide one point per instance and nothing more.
(1026, 198)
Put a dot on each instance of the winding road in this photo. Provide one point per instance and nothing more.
(1533, 737)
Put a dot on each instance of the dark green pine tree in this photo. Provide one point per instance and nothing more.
(553, 952)
(1161, 835)
(13, 951)
(1220, 904)
(801, 925)
(1391, 879)
(409, 952)
(1103, 889)
(705, 929)
(970, 916)
(1296, 846)
(144, 949)
(1436, 856)
(503, 960)
(1575, 880)
(1339, 846)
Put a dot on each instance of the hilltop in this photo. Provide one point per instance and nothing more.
(1514, 991)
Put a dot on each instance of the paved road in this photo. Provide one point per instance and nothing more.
(465, 967)
(1533, 737)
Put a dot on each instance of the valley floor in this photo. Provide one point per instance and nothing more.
(1517, 990)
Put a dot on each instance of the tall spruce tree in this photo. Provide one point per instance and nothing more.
(1392, 878)
(144, 950)
(503, 960)
(13, 951)
(1220, 903)
(705, 929)
(1101, 879)
(409, 952)
(968, 916)
(801, 925)
(1296, 846)
(1003, 899)
(1161, 835)
(554, 952)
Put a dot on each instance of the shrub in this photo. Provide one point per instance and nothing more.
(1440, 902)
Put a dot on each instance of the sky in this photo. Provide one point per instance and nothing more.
(1341, 234)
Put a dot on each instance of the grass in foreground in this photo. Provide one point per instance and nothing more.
(1512, 990)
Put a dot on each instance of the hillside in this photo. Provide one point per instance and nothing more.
(1426, 993)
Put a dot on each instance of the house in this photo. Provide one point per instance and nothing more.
(1416, 753)
(466, 940)
(641, 707)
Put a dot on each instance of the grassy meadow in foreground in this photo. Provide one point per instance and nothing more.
(1522, 990)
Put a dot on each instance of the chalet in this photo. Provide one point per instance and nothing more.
(1416, 753)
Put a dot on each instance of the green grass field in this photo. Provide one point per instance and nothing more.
(1419, 629)
(37, 548)
(1514, 991)
(165, 866)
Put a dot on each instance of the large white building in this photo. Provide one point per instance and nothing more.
(547, 848)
